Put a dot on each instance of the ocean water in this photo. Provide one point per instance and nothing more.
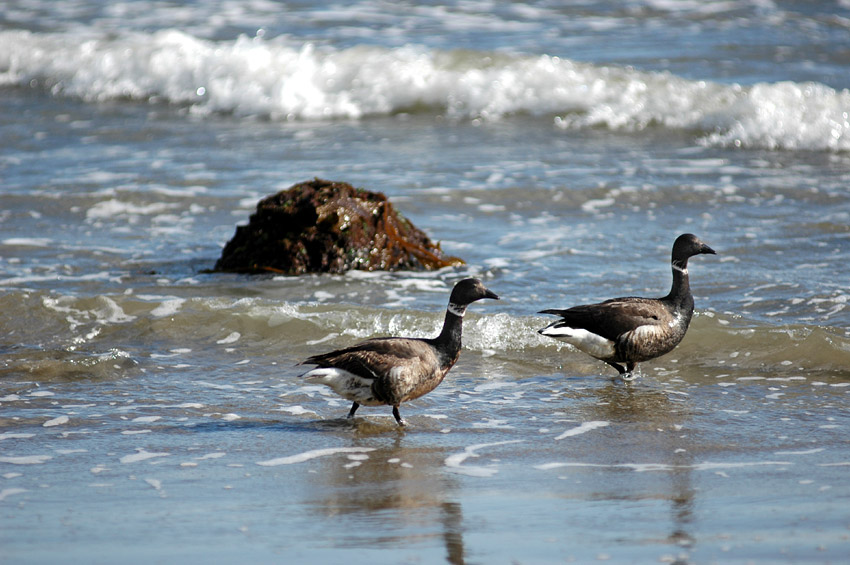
(151, 411)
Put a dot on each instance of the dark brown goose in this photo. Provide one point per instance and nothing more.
(392, 370)
(631, 330)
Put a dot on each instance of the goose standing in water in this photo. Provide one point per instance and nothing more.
(631, 330)
(392, 370)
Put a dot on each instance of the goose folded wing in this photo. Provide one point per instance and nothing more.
(612, 318)
(376, 357)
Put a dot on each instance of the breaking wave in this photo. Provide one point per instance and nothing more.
(253, 76)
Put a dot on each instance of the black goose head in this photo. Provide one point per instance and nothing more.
(468, 291)
(687, 245)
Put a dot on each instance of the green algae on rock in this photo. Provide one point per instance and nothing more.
(322, 226)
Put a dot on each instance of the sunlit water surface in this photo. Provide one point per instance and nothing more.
(151, 411)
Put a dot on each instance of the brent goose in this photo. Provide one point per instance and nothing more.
(630, 330)
(392, 370)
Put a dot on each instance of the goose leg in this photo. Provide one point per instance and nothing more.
(617, 366)
(398, 417)
(630, 375)
(354, 408)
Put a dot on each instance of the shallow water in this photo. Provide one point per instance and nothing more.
(152, 411)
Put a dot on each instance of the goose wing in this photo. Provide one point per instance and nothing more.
(379, 357)
(612, 318)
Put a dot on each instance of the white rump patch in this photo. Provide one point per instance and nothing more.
(347, 385)
(589, 342)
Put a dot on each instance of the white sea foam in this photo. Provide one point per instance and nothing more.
(107, 310)
(253, 76)
(116, 208)
(215, 386)
(583, 428)
(14, 435)
(57, 421)
(801, 452)
(7, 492)
(26, 242)
(328, 337)
(296, 410)
(492, 424)
(232, 337)
(26, 459)
(141, 455)
(307, 455)
(455, 461)
(503, 332)
(168, 308)
(157, 486)
(494, 386)
(645, 467)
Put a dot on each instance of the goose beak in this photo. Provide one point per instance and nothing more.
(706, 249)
(490, 294)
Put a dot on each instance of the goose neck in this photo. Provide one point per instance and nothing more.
(681, 288)
(449, 340)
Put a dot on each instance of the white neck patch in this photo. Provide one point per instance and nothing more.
(680, 269)
(457, 309)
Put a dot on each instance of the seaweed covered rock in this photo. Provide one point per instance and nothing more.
(322, 226)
